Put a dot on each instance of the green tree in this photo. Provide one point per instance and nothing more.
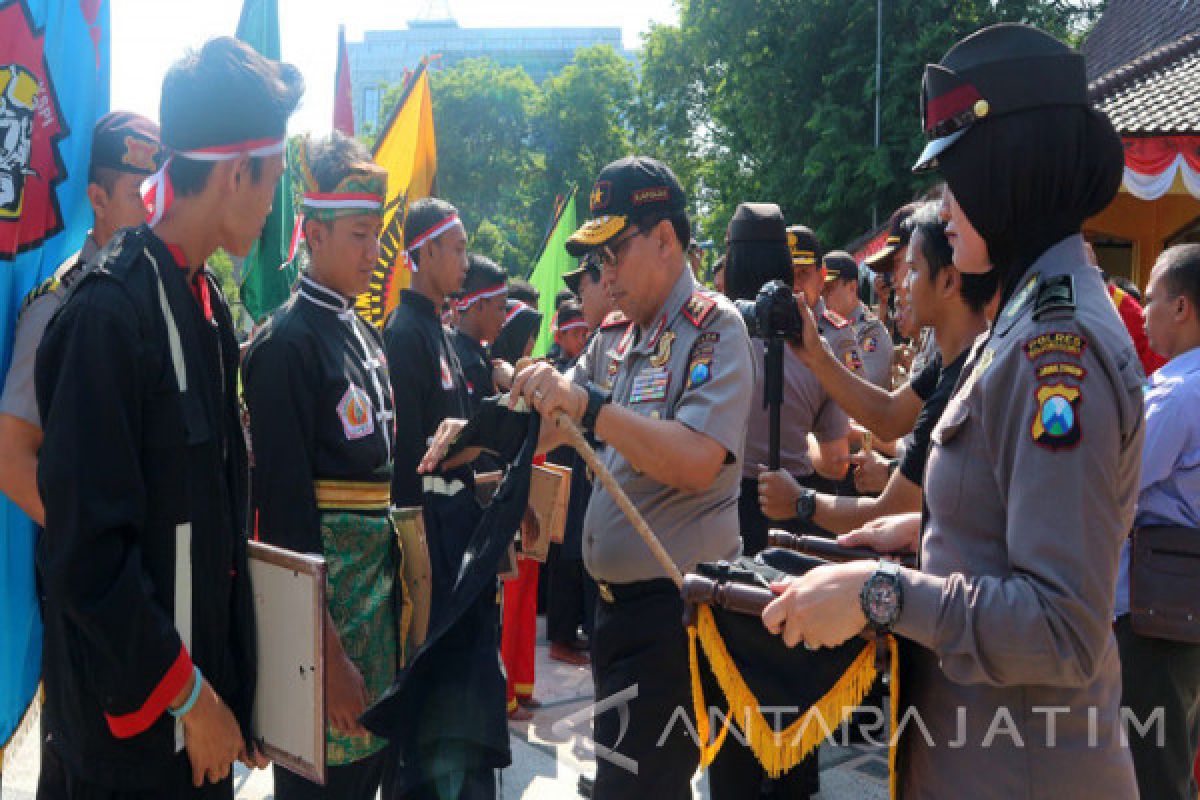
(779, 95)
(582, 123)
(490, 241)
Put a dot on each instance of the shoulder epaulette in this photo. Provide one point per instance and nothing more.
(613, 321)
(699, 308)
(835, 319)
(42, 289)
(1055, 295)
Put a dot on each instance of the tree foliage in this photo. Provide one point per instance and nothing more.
(767, 100)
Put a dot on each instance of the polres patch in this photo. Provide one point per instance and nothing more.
(1071, 344)
(355, 412)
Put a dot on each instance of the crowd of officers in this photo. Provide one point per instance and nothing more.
(949, 422)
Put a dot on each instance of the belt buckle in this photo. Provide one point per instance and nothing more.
(605, 593)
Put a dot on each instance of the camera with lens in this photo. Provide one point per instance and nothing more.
(773, 313)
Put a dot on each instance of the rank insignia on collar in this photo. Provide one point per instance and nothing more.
(1056, 420)
(698, 308)
(354, 410)
(1020, 298)
(835, 319)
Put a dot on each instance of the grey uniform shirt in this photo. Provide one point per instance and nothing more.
(695, 364)
(1030, 487)
(807, 408)
(39, 306)
(842, 339)
(875, 347)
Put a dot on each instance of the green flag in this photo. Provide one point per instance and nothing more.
(266, 279)
(553, 263)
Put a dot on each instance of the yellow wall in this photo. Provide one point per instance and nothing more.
(1147, 224)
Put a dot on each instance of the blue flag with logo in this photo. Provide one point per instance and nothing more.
(54, 67)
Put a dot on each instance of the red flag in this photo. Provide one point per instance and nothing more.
(343, 110)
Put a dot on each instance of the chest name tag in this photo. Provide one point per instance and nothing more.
(650, 386)
(354, 410)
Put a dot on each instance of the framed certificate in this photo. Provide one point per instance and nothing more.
(289, 703)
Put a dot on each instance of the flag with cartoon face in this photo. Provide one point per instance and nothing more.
(54, 65)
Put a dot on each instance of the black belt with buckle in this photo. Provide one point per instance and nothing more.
(619, 592)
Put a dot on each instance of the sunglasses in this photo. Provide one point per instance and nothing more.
(610, 254)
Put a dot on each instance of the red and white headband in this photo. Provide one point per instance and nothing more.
(434, 232)
(157, 192)
(570, 326)
(465, 302)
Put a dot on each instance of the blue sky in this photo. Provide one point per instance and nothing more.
(150, 34)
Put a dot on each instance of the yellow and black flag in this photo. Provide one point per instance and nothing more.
(407, 149)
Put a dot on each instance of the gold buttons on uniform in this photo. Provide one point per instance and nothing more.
(982, 108)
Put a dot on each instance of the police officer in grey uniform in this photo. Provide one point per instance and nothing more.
(810, 276)
(125, 150)
(674, 423)
(870, 336)
(1008, 654)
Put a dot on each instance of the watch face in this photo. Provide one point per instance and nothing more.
(882, 601)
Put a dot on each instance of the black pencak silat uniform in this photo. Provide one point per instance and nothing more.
(321, 419)
(462, 727)
(143, 560)
(316, 383)
(477, 369)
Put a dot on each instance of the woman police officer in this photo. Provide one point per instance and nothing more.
(1010, 673)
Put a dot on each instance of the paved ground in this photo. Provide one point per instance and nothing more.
(549, 754)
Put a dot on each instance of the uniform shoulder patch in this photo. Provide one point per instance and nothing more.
(1055, 423)
(614, 320)
(699, 308)
(41, 290)
(1055, 297)
(835, 319)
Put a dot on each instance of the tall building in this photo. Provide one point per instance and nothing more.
(382, 57)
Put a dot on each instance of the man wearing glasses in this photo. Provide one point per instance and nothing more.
(672, 407)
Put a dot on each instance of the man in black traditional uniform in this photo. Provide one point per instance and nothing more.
(125, 150)
(149, 637)
(462, 734)
(321, 415)
(571, 594)
(481, 309)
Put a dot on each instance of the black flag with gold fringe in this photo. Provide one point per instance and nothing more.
(784, 701)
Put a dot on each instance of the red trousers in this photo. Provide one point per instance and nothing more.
(518, 632)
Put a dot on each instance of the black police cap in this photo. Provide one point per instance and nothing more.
(897, 239)
(126, 142)
(999, 70)
(804, 245)
(589, 264)
(840, 265)
(628, 189)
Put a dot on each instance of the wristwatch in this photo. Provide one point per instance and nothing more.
(806, 504)
(882, 597)
(596, 399)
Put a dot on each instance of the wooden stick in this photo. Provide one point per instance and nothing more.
(580, 443)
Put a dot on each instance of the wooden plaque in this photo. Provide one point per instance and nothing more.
(289, 704)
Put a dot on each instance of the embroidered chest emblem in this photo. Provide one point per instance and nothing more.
(354, 410)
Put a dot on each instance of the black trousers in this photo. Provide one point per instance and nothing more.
(357, 781)
(571, 597)
(1156, 673)
(643, 696)
(57, 782)
(478, 784)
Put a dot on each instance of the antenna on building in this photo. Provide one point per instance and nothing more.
(435, 10)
